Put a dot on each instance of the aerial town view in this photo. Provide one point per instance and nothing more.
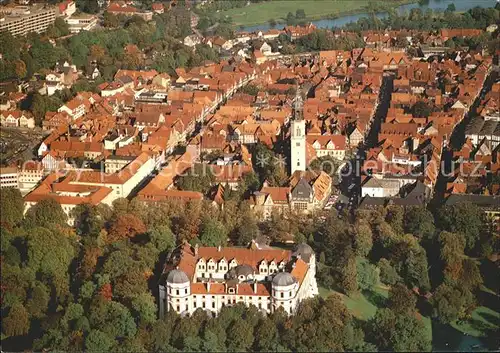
(249, 175)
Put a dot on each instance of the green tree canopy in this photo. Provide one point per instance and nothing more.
(11, 206)
(46, 213)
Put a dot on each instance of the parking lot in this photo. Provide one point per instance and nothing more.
(18, 144)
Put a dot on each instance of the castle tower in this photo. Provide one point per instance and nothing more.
(298, 136)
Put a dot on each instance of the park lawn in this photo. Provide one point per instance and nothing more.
(361, 306)
(483, 319)
(358, 304)
(259, 13)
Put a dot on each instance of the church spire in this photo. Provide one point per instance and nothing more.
(298, 105)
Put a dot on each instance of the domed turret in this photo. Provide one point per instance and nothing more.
(177, 277)
(241, 272)
(304, 251)
(283, 279)
(177, 291)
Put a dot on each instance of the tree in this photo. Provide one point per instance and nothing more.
(38, 302)
(465, 218)
(11, 206)
(247, 229)
(240, 336)
(272, 23)
(16, 323)
(471, 275)
(46, 213)
(98, 341)
(88, 6)
(451, 8)
(290, 19)
(348, 274)
(300, 14)
(203, 24)
(125, 226)
(144, 307)
(363, 240)
(394, 217)
(49, 254)
(392, 331)
(367, 274)
(401, 299)
(199, 178)
(250, 89)
(266, 336)
(112, 318)
(420, 222)
(20, 69)
(452, 303)
(452, 248)
(110, 20)
(213, 233)
(88, 220)
(388, 274)
(130, 284)
(421, 109)
(162, 238)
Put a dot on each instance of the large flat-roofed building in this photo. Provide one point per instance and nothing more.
(21, 20)
(209, 278)
(81, 23)
(8, 177)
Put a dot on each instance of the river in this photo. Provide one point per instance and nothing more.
(460, 5)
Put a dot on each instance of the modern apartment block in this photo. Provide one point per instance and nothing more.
(21, 20)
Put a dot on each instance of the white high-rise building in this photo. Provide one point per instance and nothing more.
(298, 137)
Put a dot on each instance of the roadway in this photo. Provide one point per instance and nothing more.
(350, 185)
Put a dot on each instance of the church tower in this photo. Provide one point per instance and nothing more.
(298, 136)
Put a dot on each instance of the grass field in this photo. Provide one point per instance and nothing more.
(362, 305)
(483, 320)
(259, 13)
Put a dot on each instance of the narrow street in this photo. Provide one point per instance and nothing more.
(350, 185)
(457, 140)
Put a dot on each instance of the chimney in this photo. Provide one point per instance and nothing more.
(196, 250)
(208, 286)
(219, 248)
(255, 286)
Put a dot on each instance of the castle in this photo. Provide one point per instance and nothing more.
(212, 277)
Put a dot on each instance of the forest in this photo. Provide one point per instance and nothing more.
(94, 286)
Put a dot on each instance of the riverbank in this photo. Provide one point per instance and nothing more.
(261, 13)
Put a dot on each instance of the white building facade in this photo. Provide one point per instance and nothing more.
(210, 278)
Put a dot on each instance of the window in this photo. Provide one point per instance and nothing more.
(282, 295)
(300, 206)
(177, 292)
(203, 305)
(297, 144)
(213, 305)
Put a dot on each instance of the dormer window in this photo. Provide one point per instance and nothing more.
(231, 290)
